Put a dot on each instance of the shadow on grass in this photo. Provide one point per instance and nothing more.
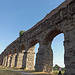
(7, 72)
(43, 74)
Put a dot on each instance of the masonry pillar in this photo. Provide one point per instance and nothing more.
(24, 60)
(69, 45)
(69, 57)
(5, 60)
(19, 59)
(13, 60)
(8, 60)
(44, 57)
(29, 58)
(1, 60)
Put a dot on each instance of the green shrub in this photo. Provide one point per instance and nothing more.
(21, 33)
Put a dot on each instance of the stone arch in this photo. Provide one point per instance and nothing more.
(4, 59)
(14, 51)
(9, 53)
(45, 51)
(33, 42)
(13, 58)
(50, 36)
(68, 45)
(23, 48)
(9, 58)
(29, 54)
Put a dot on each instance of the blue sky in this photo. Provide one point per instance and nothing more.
(17, 15)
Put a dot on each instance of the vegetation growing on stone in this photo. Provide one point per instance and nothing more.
(21, 33)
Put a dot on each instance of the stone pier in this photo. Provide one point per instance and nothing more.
(29, 58)
(44, 57)
(19, 59)
(13, 60)
(8, 61)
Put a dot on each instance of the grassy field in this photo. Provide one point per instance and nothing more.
(55, 72)
(45, 73)
(5, 71)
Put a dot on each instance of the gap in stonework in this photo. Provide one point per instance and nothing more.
(36, 51)
(58, 50)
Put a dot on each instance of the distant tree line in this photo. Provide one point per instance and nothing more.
(56, 67)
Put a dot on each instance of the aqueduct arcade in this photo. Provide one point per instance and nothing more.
(21, 53)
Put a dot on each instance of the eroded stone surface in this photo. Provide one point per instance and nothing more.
(59, 20)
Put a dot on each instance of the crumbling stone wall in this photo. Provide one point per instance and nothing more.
(59, 20)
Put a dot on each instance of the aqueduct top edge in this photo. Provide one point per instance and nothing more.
(53, 12)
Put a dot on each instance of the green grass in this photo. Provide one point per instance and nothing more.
(56, 72)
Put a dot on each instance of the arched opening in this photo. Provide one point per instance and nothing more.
(15, 54)
(9, 54)
(48, 53)
(13, 58)
(32, 51)
(23, 52)
(8, 59)
(58, 52)
(36, 51)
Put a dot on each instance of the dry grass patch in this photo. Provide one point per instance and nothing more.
(5, 71)
(41, 73)
(38, 73)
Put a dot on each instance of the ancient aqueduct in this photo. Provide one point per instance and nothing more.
(21, 53)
